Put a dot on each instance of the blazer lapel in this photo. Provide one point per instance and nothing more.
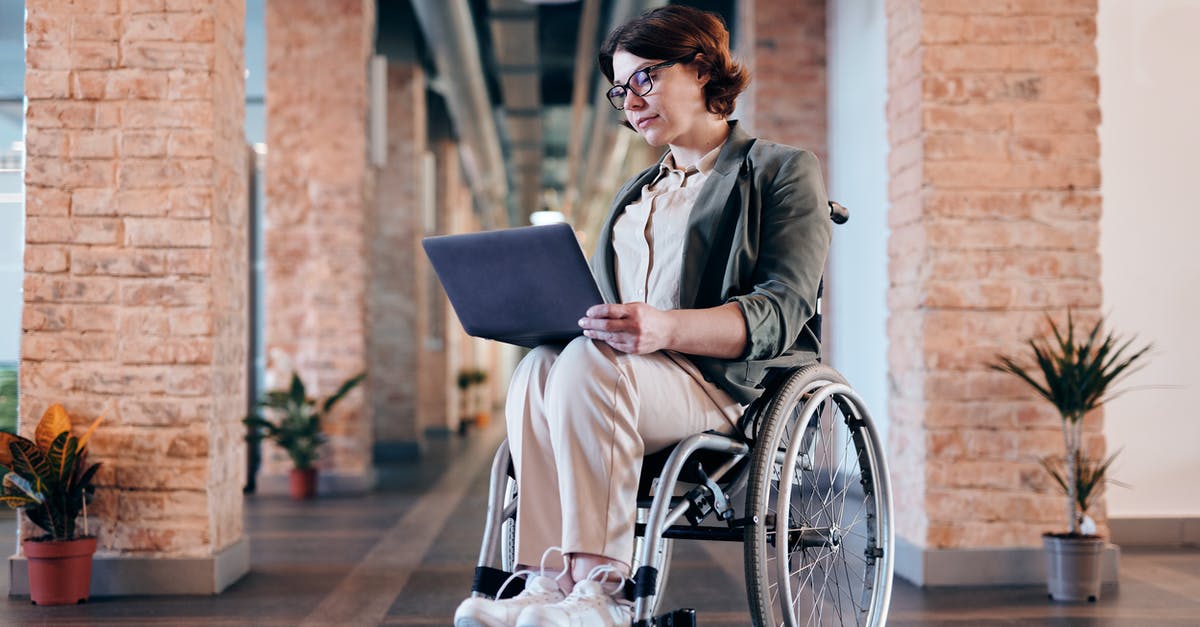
(706, 214)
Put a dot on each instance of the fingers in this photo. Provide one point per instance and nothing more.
(605, 324)
(618, 341)
(608, 311)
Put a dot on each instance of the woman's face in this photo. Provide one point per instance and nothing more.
(673, 107)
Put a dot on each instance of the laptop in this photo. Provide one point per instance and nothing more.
(525, 286)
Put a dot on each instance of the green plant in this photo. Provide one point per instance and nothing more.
(1090, 475)
(8, 399)
(297, 428)
(469, 377)
(1076, 377)
(48, 476)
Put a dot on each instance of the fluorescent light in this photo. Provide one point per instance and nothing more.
(539, 218)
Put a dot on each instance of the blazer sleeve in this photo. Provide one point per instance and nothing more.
(793, 243)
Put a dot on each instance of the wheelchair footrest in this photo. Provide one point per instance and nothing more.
(683, 617)
(488, 581)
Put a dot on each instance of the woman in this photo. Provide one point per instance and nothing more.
(714, 255)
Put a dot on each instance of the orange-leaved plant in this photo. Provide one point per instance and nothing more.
(48, 476)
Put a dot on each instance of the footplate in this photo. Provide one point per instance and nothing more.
(682, 617)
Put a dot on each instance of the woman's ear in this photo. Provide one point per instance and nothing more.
(703, 73)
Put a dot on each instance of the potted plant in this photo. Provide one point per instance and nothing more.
(480, 398)
(49, 478)
(297, 428)
(1076, 376)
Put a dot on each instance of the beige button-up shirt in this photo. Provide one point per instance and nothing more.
(648, 243)
(648, 237)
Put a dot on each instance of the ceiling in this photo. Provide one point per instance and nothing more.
(532, 58)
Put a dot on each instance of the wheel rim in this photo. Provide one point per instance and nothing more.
(832, 569)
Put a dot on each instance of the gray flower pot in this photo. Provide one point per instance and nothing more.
(1073, 567)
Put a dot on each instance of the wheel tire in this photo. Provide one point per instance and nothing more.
(837, 562)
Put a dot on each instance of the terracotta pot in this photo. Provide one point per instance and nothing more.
(302, 483)
(60, 572)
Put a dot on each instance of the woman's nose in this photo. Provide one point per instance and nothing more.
(634, 101)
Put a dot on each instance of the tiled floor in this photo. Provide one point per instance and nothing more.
(404, 556)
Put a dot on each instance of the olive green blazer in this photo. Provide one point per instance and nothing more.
(758, 235)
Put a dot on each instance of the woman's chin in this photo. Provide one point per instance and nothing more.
(653, 137)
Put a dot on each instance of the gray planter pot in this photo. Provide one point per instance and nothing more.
(1073, 567)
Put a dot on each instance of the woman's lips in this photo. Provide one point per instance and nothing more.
(644, 122)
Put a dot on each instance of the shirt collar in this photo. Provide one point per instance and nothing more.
(704, 166)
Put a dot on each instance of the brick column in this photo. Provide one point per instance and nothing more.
(135, 276)
(783, 43)
(454, 206)
(398, 311)
(317, 198)
(995, 204)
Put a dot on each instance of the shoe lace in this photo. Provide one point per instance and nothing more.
(528, 572)
(601, 575)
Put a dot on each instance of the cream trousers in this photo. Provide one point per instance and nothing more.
(580, 418)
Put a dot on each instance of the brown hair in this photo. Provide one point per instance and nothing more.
(676, 31)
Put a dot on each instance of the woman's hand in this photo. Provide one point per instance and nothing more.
(635, 328)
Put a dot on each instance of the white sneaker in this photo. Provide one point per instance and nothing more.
(539, 590)
(588, 605)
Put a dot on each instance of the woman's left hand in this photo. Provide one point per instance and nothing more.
(635, 328)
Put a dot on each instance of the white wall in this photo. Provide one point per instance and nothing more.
(11, 267)
(857, 173)
(1150, 160)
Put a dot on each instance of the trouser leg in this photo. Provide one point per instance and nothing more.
(605, 410)
(539, 522)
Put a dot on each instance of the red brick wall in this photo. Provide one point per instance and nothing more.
(135, 263)
(994, 189)
(397, 299)
(783, 43)
(317, 193)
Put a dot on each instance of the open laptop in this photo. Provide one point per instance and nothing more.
(526, 286)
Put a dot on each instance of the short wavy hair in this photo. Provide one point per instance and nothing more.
(676, 31)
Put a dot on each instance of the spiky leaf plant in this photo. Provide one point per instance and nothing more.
(48, 476)
(296, 427)
(1076, 376)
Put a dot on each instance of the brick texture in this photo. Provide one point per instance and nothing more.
(397, 301)
(994, 190)
(318, 190)
(136, 258)
(783, 43)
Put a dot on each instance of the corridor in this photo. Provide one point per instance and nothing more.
(403, 555)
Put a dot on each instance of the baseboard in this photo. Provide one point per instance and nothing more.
(120, 575)
(1163, 532)
(440, 432)
(1007, 566)
(328, 483)
(395, 451)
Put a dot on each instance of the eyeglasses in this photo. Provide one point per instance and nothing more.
(640, 83)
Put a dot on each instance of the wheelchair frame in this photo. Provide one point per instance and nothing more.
(796, 400)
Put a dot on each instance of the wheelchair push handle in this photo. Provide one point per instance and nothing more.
(838, 213)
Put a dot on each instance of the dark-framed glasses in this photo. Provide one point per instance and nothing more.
(640, 83)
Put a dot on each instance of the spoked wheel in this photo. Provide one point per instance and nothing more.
(819, 545)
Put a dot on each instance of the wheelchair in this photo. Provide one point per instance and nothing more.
(801, 482)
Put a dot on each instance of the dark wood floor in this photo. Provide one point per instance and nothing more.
(404, 556)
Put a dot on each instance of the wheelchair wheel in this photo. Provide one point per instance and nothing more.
(820, 539)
